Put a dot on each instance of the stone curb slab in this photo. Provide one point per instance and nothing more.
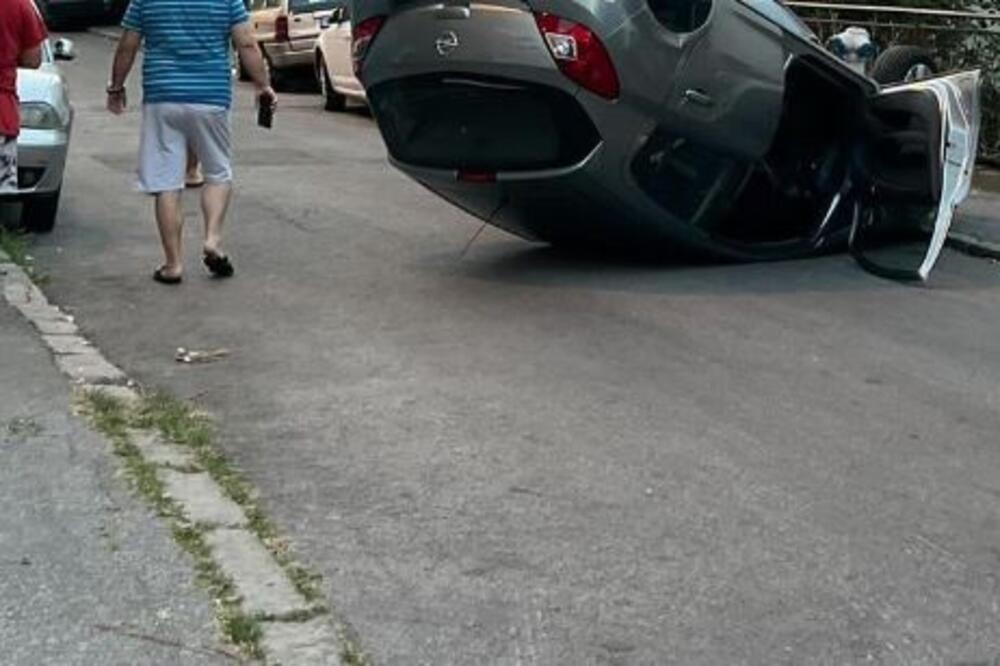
(158, 452)
(90, 368)
(302, 644)
(123, 393)
(48, 326)
(201, 499)
(258, 578)
(67, 344)
(974, 246)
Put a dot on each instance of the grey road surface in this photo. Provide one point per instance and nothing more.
(88, 575)
(512, 456)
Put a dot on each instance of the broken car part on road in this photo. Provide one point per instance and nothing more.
(722, 127)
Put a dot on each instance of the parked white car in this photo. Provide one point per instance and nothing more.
(46, 124)
(334, 65)
(286, 31)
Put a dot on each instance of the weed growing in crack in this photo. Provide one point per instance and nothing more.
(23, 427)
(351, 653)
(114, 418)
(243, 630)
(184, 426)
(15, 245)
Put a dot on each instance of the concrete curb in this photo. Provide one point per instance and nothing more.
(265, 589)
(973, 245)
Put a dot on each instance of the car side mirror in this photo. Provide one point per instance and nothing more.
(63, 49)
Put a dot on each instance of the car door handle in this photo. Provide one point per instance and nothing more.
(699, 97)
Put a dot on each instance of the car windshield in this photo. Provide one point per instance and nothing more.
(300, 6)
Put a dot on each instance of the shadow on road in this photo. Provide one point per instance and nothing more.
(543, 266)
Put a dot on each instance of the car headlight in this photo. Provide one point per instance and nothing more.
(40, 116)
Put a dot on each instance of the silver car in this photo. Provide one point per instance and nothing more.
(46, 124)
(719, 126)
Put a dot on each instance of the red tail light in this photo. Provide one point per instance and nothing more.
(363, 35)
(480, 177)
(281, 29)
(580, 55)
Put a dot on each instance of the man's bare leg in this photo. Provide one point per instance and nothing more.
(192, 170)
(214, 204)
(170, 221)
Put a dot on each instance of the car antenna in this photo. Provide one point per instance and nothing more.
(475, 237)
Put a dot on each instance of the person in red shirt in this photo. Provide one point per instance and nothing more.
(22, 32)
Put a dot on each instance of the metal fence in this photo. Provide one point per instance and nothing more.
(957, 38)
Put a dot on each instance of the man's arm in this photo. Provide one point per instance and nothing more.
(30, 58)
(252, 60)
(30, 35)
(128, 47)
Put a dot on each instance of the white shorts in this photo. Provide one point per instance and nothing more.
(8, 165)
(168, 130)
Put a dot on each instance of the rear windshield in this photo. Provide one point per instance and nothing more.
(302, 6)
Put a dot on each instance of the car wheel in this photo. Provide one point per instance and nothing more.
(903, 64)
(38, 212)
(332, 100)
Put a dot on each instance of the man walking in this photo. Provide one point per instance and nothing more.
(187, 94)
(21, 35)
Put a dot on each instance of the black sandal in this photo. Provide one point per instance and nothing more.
(163, 278)
(219, 265)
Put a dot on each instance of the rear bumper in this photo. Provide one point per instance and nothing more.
(75, 10)
(41, 161)
(541, 161)
(483, 124)
(291, 55)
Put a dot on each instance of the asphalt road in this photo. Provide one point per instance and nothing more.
(513, 456)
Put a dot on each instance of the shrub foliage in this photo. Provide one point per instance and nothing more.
(957, 43)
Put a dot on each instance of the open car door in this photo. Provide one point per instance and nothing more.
(913, 167)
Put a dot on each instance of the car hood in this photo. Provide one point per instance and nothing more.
(40, 85)
(44, 85)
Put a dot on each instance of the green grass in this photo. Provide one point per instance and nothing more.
(180, 423)
(351, 653)
(185, 426)
(15, 245)
(115, 419)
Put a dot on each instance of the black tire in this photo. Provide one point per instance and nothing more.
(39, 211)
(899, 63)
(332, 100)
(279, 77)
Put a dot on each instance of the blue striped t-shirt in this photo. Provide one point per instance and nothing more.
(186, 48)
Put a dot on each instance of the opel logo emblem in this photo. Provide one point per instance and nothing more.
(446, 43)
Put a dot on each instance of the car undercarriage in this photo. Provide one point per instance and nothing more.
(718, 128)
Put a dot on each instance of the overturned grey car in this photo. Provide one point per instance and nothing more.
(717, 126)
